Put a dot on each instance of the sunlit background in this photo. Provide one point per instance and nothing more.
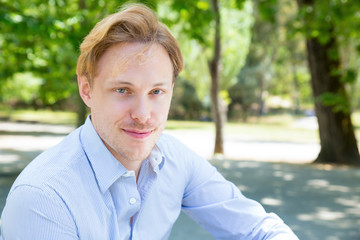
(266, 89)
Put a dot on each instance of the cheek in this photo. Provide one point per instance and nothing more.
(112, 107)
(161, 110)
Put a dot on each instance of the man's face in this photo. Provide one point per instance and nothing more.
(130, 98)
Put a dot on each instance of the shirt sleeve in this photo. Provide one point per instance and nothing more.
(33, 213)
(218, 206)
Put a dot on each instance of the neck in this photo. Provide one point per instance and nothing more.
(132, 166)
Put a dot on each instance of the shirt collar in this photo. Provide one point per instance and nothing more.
(105, 166)
(156, 159)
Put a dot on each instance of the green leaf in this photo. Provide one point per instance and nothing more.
(349, 76)
(337, 101)
(203, 5)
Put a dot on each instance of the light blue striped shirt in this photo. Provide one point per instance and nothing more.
(78, 190)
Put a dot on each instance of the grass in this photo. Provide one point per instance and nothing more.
(275, 128)
(189, 125)
(40, 116)
(268, 132)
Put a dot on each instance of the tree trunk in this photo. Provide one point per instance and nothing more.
(296, 93)
(261, 102)
(337, 138)
(214, 68)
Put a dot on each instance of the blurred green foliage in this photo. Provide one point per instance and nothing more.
(338, 21)
(263, 51)
(186, 104)
(22, 87)
(43, 37)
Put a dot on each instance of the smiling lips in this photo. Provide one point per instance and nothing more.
(138, 134)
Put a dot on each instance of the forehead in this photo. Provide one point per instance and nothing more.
(134, 61)
(120, 57)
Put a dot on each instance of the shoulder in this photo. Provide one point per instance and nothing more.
(33, 207)
(53, 164)
(53, 182)
(188, 165)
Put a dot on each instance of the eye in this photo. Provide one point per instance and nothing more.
(122, 90)
(157, 91)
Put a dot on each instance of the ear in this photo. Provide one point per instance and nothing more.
(84, 90)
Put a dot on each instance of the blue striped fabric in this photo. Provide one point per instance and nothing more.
(78, 190)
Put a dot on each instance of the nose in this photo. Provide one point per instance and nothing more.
(140, 110)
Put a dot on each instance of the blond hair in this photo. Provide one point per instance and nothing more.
(133, 23)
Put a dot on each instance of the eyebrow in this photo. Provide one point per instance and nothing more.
(116, 82)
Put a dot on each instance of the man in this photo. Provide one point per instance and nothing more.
(117, 176)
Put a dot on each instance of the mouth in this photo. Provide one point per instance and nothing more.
(138, 134)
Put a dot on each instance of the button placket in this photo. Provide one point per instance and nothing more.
(132, 196)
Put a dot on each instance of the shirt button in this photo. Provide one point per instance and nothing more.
(132, 201)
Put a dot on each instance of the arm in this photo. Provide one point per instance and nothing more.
(33, 213)
(221, 209)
